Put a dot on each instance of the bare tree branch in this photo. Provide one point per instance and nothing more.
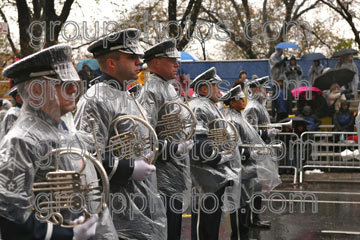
(8, 36)
(242, 44)
(186, 13)
(24, 20)
(344, 12)
(193, 18)
(296, 16)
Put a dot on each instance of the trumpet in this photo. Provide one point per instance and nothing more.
(277, 125)
(66, 192)
(268, 149)
(275, 146)
(128, 140)
(221, 136)
(176, 120)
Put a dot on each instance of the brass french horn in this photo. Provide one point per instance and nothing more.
(66, 194)
(128, 141)
(224, 135)
(176, 122)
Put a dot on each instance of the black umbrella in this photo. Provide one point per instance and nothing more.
(313, 56)
(340, 76)
(344, 52)
(296, 121)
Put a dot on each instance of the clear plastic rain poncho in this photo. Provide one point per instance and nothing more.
(262, 166)
(276, 68)
(10, 117)
(26, 158)
(255, 111)
(137, 209)
(205, 177)
(173, 172)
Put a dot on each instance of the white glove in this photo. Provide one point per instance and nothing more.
(185, 147)
(142, 169)
(86, 230)
(225, 158)
(272, 132)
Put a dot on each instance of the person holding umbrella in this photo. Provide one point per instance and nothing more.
(277, 64)
(346, 61)
(315, 71)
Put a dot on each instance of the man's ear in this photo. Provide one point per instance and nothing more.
(110, 63)
(154, 62)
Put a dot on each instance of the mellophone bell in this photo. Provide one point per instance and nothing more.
(49, 184)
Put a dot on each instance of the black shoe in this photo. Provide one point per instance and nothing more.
(261, 224)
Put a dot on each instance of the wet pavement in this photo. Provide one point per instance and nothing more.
(331, 211)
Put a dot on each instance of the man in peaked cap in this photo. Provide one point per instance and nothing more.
(255, 110)
(172, 168)
(214, 171)
(119, 56)
(254, 169)
(257, 115)
(240, 219)
(46, 82)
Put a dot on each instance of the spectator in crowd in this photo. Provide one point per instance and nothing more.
(315, 71)
(277, 64)
(282, 104)
(347, 62)
(335, 97)
(343, 119)
(293, 70)
(313, 120)
(242, 78)
(241, 81)
(86, 73)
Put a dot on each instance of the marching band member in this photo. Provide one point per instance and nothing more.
(172, 167)
(213, 172)
(255, 111)
(46, 81)
(257, 169)
(142, 214)
(13, 113)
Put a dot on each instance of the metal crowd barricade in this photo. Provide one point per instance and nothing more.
(290, 160)
(323, 150)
